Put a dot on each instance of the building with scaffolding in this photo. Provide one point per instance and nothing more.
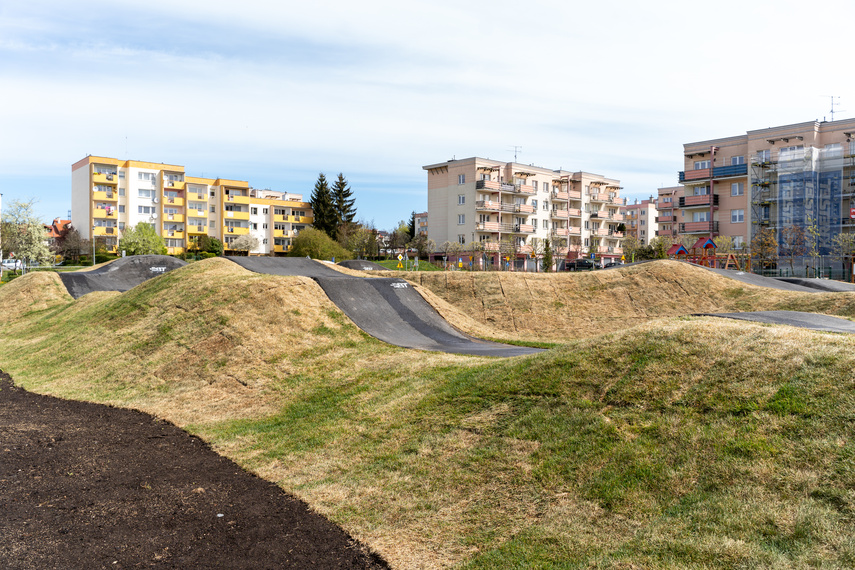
(792, 175)
(499, 210)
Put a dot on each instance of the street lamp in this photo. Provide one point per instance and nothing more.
(93, 245)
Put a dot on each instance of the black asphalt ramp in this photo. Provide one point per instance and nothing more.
(362, 265)
(792, 318)
(388, 309)
(121, 275)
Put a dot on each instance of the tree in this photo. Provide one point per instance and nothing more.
(71, 245)
(631, 245)
(322, 207)
(546, 260)
(245, 243)
(142, 239)
(24, 234)
(658, 247)
(843, 248)
(813, 242)
(723, 244)
(342, 205)
(793, 243)
(422, 245)
(764, 246)
(207, 244)
(411, 226)
(314, 243)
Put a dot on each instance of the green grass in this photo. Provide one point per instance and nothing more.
(684, 443)
(423, 265)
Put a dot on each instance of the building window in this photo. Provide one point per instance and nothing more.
(702, 164)
(264, 226)
(254, 211)
(737, 189)
(534, 184)
(264, 211)
(485, 177)
(213, 209)
(211, 223)
(145, 209)
(737, 160)
(145, 194)
(738, 242)
(461, 238)
(703, 216)
(643, 221)
(255, 226)
(121, 208)
(121, 191)
(546, 224)
(121, 225)
(461, 179)
(461, 199)
(264, 241)
(546, 205)
(461, 219)
(212, 194)
(534, 204)
(122, 174)
(737, 216)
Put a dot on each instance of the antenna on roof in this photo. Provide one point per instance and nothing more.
(835, 102)
(517, 149)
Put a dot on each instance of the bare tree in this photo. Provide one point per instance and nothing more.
(793, 244)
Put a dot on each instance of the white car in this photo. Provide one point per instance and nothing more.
(12, 264)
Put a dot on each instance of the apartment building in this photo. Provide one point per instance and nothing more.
(641, 220)
(667, 207)
(422, 224)
(801, 174)
(508, 209)
(109, 195)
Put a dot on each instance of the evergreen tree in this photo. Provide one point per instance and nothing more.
(343, 201)
(322, 207)
(411, 227)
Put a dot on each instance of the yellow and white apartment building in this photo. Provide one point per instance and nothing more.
(800, 174)
(109, 195)
(493, 203)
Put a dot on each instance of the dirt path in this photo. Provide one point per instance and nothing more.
(89, 486)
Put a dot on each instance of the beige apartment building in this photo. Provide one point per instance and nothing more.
(641, 220)
(801, 174)
(109, 195)
(422, 224)
(506, 209)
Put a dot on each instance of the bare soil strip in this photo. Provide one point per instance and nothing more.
(90, 486)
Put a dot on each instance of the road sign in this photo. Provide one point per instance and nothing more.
(852, 213)
(623, 258)
(593, 256)
(400, 257)
(400, 265)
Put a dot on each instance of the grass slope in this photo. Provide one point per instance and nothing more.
(679, 442)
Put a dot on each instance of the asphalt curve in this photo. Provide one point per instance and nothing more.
(812, 321)
(121, 275)
(390, 310)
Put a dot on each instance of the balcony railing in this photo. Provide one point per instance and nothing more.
(698, 227)
(729, 171)
(696, 201)
(659, 219)
(494, 185)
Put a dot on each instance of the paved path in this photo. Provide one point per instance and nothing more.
(386, 308)
(793, 318)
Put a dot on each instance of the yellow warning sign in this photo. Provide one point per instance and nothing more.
(400, 265)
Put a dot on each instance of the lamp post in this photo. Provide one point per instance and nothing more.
(93, 245)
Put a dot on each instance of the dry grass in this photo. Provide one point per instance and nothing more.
(559, 307)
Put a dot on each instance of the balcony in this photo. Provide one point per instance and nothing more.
(524, 208)
(599, 197)
(732, 171)
(102, 214)
(616, 217)
(197, 230)
(488, 185)
(663, 219)
(574, 212)
(284, 233)
(173, 234)
(563, 196)
(698, 201)
(174, 184)
(615, 234)
(698, 227)
(173, 201)
(105, 179)
(238, 215)
(561, 214)
(662, 205)
(198, 213)
(575, 194)
(102, 231)
(173, 217)
(487, 226)
(617, 200)
(561, 232)
(523, 229)
(281, 248)
(600, 232)
(666, 233)
(488, 205)
(237, 231)
(237, 199)
(297, 219)
(489, 245)
(111, 196)
(524, 189)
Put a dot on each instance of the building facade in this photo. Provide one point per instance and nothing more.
(801, 174)
(422, 224)
(509, 209)
(641, 220)
(109, 195)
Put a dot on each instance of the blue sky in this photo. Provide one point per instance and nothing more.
(276, 92)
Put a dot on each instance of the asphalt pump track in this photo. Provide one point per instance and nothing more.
(388, 309)
(121, 275)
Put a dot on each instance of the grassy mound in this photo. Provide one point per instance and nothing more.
(679, 442)
(34, 291)
(556, 307)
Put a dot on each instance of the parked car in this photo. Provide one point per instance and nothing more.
(12, 264)
(580, 264)
(611, 264)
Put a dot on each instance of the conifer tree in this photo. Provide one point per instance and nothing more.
(343, 201)
(322, 207)
(411, 226)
